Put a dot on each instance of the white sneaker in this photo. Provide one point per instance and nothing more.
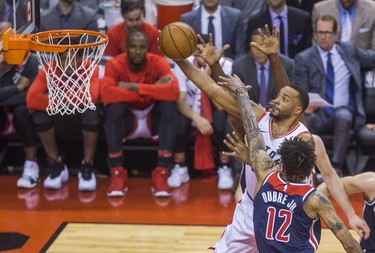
(225, 178)
(55, 180)
(86, 178)
(178, 176)
(30, 175)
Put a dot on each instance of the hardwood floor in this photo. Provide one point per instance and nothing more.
(191, 220)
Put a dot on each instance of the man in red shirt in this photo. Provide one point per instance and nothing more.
(139, 86)
(91, 121)
(132, 12)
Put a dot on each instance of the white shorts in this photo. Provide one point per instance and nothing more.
(239, 236)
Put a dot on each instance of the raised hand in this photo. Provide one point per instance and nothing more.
(270, 41)
(208, 52)
(231, 83)
(239, 150)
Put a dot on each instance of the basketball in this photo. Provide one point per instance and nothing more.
(177, 41)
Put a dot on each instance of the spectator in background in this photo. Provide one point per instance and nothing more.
(208, 120)
(361, 183)
(355, 20)
(93, 4)
(294, 26)
(254, 68)
(7, 12)
(247, 7)
(225, 24)
(13, 89)
(306, 5)
(140, 93)
(333, 70)
(69, 14)
(132, 12)
(91, 122)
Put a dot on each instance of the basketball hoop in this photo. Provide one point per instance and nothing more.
(68, 77)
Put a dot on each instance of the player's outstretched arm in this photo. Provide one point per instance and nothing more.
(258, 157)
(336, 188)
(209, 86)
(318, 204)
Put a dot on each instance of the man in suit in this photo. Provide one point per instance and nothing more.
(250, 66)
(227, 25)
(69, 14)
(361, 20)
(7, 9)
(294, 24)
(333, 70)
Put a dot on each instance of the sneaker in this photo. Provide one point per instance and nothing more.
(30, 175)
(160, 186)
(59, 174)
(225, 178)
(178, 176)
(119, 182)
(86, 178)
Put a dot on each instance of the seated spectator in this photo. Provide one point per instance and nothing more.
(69, 14)
(333, 70)
(254, 68)
(225, 23)
(294, 26)
(132, 12)
(207, 121)
(140, 93)
(13, 89)
(91, 122)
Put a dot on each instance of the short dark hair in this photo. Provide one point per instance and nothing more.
(327, 18)
(133, 34)
(131, 5)
(302, 95)
(297, 157)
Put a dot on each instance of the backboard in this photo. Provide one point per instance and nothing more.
(23, 15)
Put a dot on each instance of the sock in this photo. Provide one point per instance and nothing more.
(165, 159)
(181, 162)
(224, 162)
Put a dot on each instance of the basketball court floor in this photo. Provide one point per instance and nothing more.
(67, 220)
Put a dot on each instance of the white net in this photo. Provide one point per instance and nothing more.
(69, 74)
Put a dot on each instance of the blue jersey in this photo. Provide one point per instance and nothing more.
(369, 216)
(281, 224)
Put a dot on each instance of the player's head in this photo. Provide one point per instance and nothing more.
(137, 48)
(132, 11)
(297, 159)
(291, 101)
(256, 54)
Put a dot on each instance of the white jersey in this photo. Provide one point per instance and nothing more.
(239, 237)
(272, 145)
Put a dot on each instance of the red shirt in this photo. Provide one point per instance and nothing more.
(37, 96)
(118, 35)
(117, 70)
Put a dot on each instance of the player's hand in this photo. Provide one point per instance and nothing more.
(23, 83)
(208, 51)
(238, 147)
(360, 226)
(203, 125)
(270, 43)
(232, 83)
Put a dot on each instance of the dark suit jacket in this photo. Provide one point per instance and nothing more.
(246, 69)
(299, 29)
(82, 18)
(233, 28)
(310, 73)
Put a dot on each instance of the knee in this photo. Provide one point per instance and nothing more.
(42, 121)
(343, 115)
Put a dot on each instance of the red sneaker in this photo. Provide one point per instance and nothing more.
(119, 182)
(160, 186)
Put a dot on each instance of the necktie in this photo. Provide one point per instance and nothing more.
(330, 81)
(282, 39)
(347, 27)
(211, 28)
(262, 88)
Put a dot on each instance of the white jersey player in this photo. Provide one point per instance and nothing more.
(239, 236)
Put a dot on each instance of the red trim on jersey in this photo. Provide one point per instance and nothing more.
(312, 239)
(284, 134)
(261, 116)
